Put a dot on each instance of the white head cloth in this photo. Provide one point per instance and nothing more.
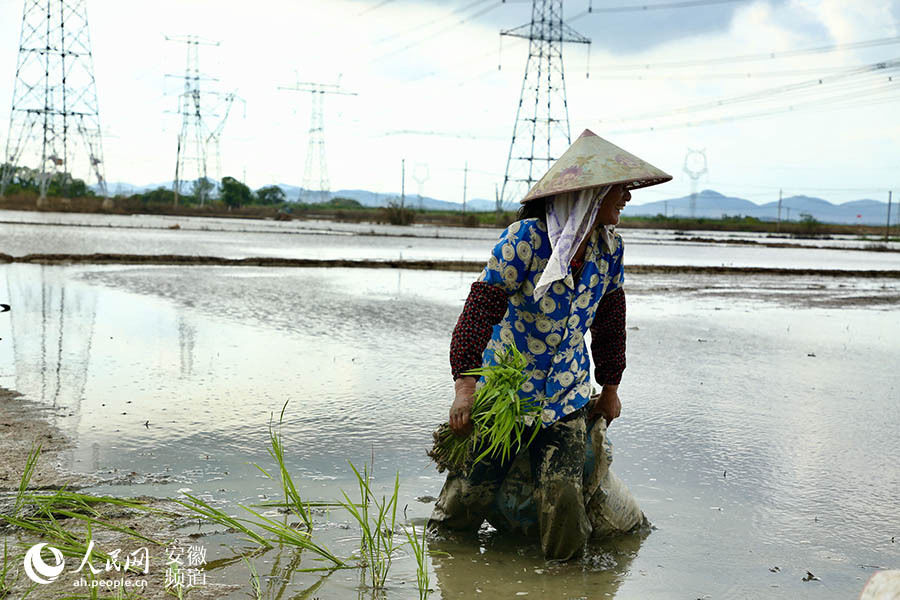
(570, 219)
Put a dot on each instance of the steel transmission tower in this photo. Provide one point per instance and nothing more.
(315, 174)
(541, 132)
(695, 166)
(54, 125)
(191, 153)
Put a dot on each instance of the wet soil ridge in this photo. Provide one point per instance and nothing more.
(425, 265)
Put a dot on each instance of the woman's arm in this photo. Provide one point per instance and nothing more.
(506, 271)
(608, 352)
(484, 308)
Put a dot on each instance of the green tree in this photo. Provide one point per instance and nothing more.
(809, 224)
(202, 188)
(271, 194)
(160, 195)
(63, 184)
(234, 193)
(342, 203)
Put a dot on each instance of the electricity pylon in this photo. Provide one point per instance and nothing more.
(54, 125)
(315, 172)
(541, 131)
(191, 152)
(695, 166)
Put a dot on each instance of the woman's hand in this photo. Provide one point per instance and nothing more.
(461, 409)
(607, 404)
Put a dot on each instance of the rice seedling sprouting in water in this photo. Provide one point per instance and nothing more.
(420, 551)
(377, 521)
(292, 500)
(502, 422)
(255, 586)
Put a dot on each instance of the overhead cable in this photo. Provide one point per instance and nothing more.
(758, 56)
(766, 93)
(657, 6)
(865, 97)
(431, 36)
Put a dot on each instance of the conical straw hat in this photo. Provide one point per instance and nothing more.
(591, 161)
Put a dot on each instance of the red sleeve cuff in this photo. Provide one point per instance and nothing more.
(484, 308)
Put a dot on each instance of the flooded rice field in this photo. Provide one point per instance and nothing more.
(758, 432)
(26, 233)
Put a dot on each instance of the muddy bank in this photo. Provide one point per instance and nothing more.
(23, 426)
(874, 245)
(163, 528)
(427, 265)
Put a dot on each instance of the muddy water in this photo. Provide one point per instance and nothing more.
(758, 430)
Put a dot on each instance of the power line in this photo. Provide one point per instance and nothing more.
(418, 27)
(373, 8)
(832, 102)
(433, 133)
(758, 56)
(763, 94)
(432, 36)
(805, 187)
(660, 6)
(728, 75)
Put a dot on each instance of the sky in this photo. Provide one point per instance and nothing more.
(436, 86)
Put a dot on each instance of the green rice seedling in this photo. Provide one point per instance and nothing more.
(282, 533)
(177, 589)
(292, 499)
(215, 515)
(287, 506)
(30, 464)
(502, 423)
(10, 576)
(48, 528)
(255, 587)
(420, 551)
(126, 595)
(81, 507)
(285, 534)
(377, 544)
(6, 573)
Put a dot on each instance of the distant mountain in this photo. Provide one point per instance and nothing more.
(122, 188)
(373, 199)
(709, 204)
(712, 204)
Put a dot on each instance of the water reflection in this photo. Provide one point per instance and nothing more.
(51, 331)
(186, 340)
(506, 567)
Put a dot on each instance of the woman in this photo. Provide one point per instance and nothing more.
(555, 273)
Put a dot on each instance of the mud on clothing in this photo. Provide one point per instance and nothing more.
(557, 463)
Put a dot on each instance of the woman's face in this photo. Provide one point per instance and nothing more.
(612, 205)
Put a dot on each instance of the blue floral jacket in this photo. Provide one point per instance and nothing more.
(550, 332)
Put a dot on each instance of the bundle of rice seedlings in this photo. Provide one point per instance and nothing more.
(502, 422)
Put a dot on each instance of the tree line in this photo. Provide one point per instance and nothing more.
(230, 192)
